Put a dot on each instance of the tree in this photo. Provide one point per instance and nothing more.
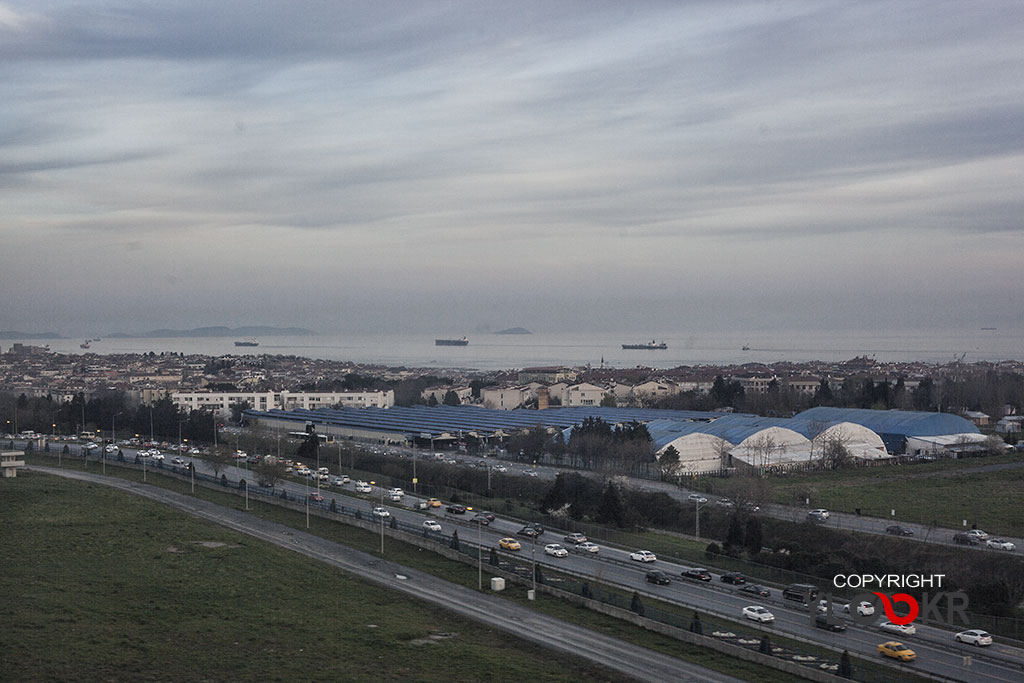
(734, 536)
(669, 462)
(269, 470)
(218, 459)
(609, 510)
(451, 398)
(237, 409)
(609, 401)
(432, 401)
(752, 537)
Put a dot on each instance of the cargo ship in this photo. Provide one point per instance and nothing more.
(451, 342)
(247, 342)
(649, 346)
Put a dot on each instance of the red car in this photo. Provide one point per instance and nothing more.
(316, 496)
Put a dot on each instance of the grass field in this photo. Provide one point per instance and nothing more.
(946, 492)
(412, 556)
(104, 586)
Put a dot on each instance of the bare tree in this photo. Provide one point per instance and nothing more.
(269, 470)
(835, 452)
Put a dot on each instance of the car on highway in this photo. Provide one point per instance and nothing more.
(319, 470)
(509, 544)
(999, 544)
(588, 547)
(91, 446)
(433, 502)
(750, 507)
(396, 492)
(965, 539)
(363, 487)
(158, 456)
(555, 550)
(111, 448)
(978, 534)
(864, 608)
(481, 519)
(899, 530)
(658, 577)
(489, 516)
(696, 574)
(901, 629)
(819, 515)
(530, 473)
(756, 589)
(974, 637)
(575, 538)
(734, 578)
(455, 509)
(316, 497)
(896, 650)
(337, 481)
(725, 503)
(696, 498)
(528, 531)
(758, 613)
(178, 461)
(821, 621)
(431, 525)
(643, 556)
(500, 468)
(381, 512)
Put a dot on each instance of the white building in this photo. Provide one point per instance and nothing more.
(584, 395)
(221, 401)
(465, 394)
(504, 398)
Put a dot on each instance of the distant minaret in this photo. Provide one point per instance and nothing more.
(602, 362)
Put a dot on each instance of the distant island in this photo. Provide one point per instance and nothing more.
(257, 331)
(514, 330)
(30, 335)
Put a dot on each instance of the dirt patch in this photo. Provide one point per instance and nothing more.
(173, 549)
(214, 544)
(432, 639)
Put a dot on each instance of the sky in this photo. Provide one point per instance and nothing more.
(454, 166)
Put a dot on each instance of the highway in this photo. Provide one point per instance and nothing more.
(937, 653)
(629, 660)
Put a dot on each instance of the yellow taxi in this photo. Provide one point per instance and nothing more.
(509, 544)
(434, 503)
(896, 651)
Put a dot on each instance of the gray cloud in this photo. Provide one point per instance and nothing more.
(531, 156)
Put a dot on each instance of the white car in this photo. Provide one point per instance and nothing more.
(381, 512)
(337, 481)
(974, 637)
(864, 608)
(194, 451)
(758, 613)
(1000, 544)
(178, 461)
(323, 470)
(643, 556)
(696, 498)
(555, 550)
(588, 547)
(500, 468)
(820, 513)
(157, 456)
(431, 525)
(111, 448)
(91, 446)
(363, 487)
(978, 534)
(902, 629)
(396, 492)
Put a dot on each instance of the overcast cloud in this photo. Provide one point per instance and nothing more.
(453, 165)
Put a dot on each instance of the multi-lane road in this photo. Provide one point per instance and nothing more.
(937, 653)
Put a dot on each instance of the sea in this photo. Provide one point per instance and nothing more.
(488, 351)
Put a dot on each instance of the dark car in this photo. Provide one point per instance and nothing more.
(696, 574)
(756, 590)
(659, 577)
(528, 531)
(821, 621)
(965, 539)
(897, 530)
(734, 578)
(482, 519)
(489, 516)
(537, 527)
(456, 509)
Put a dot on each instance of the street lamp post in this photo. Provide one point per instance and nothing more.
(381, 488)
(479, 554)
(533, 557)
(696, 509)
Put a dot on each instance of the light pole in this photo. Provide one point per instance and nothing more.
(381, 488)
(696, 506)
(191, 462)
(533, 557)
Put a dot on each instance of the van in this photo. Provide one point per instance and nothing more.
(803, 592)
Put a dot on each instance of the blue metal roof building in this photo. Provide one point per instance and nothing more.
(901, 422)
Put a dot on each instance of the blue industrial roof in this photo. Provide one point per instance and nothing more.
(733, 428)
(438, 420)
(895, 422)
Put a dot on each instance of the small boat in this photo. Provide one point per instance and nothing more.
(746, 348)
(451, 342)
(649, 346)
(85, 344)
(247, 342)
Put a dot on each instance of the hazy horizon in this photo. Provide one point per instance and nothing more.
(459, 167)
